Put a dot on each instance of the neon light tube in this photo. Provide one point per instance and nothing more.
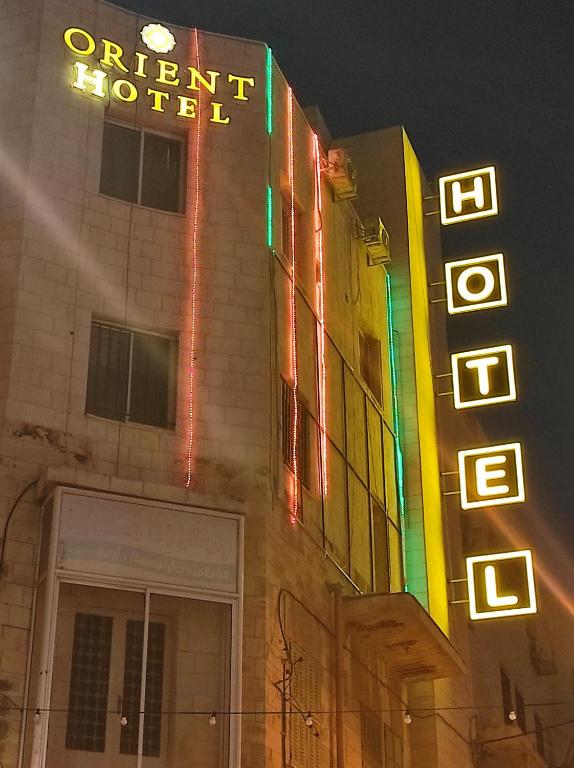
(398, 451)
(194, 269)
(320, 309)
(269, 91)
(293, 310)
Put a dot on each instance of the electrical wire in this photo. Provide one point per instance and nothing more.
(7, 523)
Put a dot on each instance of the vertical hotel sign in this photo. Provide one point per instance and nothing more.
(499, 584)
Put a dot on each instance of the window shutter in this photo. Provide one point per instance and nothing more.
(305, 744)
(108, 372)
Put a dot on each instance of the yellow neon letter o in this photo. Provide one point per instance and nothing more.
(120, 86)
(89, 39)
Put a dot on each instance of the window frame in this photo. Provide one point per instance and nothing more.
(143, 131)
(172, 375)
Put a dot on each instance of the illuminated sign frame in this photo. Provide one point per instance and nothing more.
(477, 615)
(491, 502)
(475, 262)
(445, 219)
(505, 349)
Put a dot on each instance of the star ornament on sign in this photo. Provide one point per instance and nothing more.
(158, 38)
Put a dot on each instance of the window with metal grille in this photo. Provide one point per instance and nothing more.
(372, 753)
(142, 167)
(89, 679)
(370, 364)
(153, 688)
(306, 697)
(304, 422)
(131, 376)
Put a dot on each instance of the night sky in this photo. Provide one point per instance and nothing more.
(474, 83)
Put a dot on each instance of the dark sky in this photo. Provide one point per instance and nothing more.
(481, 82)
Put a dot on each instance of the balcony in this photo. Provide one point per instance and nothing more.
(398, 629)
(507, 746)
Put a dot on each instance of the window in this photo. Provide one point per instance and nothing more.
(142, 167)
(303, 423)
(372, 755)
(520, 710)
(109, 654)
(382, 582)
(131, 376)
(370, 365)
(506, 695)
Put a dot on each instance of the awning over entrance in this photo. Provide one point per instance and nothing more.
(399, 629)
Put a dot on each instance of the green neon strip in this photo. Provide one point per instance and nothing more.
(269, 91)
(396, 428)
(269, 217)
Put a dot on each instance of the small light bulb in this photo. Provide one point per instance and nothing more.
(309, 720)
(512, 715)
(212, 719)
(37, 716)
(123, 720)
(407, 717)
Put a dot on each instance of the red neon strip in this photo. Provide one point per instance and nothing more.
(320, 309)
(295, 495)
(194, 277)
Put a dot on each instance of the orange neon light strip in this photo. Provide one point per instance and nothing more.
(320, 309)
(293, 310)
(194, 277)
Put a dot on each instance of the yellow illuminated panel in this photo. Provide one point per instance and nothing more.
(483, 377)
(426, 560)
(158, 38)
(491, 476)
(468, 195)
(501, 585)
(473, 284)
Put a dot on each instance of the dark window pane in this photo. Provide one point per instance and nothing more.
(120, 162)
(89, 679)
(150, 384)
(108, 372)
(132, 688)
(380, 549)
(370, 362)
(161, 175)
(506, 695)
(520, 710)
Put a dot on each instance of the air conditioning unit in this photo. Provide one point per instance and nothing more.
(342, 174)
(376, 238)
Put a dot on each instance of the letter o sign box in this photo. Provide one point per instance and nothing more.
(473, 284)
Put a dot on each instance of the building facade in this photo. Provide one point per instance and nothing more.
(227, 540)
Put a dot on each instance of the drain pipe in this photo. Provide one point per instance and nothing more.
(339, 673)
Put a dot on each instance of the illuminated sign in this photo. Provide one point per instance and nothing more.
(132, 78)
(473, 284)
(468, 195)
(501, 585)
(491, 476)
(483, 377)
(157, 38)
